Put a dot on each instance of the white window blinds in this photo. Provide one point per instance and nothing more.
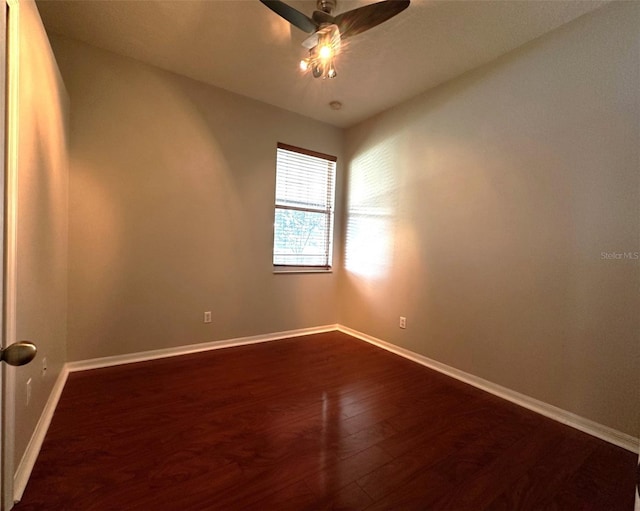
(303, 227)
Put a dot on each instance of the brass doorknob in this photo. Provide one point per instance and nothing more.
(19, 353)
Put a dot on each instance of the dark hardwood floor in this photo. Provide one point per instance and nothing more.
(321, 422)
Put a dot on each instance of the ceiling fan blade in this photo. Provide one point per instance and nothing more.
(358, 20)
(293, 16)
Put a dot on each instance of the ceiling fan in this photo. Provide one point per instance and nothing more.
(327, 31)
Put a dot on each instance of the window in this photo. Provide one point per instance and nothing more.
(303, 226)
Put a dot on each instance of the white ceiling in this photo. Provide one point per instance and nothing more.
(242, 46)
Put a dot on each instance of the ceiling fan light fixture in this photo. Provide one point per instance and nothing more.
(322, 54)
(321, 58)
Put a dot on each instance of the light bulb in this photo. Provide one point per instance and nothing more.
(317, 71)
(332, 72)
(325, 52)
(304, 64)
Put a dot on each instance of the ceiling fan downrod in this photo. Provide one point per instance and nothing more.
(326, 5)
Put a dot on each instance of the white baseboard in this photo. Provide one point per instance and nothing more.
(23, 472)
(552, 412)
(144, 356)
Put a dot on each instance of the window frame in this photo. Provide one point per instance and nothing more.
(329, 212)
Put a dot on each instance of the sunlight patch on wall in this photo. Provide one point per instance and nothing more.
(371, 211)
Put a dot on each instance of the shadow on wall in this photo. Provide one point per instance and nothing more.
(152, 187)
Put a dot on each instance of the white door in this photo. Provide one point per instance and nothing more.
(23, 352)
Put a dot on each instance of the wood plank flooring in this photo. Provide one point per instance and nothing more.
(319, 422)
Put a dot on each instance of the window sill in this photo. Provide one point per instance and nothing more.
(301, 270)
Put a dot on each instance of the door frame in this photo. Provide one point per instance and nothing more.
(10, 90)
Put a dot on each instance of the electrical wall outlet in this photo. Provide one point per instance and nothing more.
(44, 367)
(28, 391)
(207, 317)
(403, 322)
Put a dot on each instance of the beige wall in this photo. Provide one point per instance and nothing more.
(172, 186)
(41, 309)
(480, 210)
